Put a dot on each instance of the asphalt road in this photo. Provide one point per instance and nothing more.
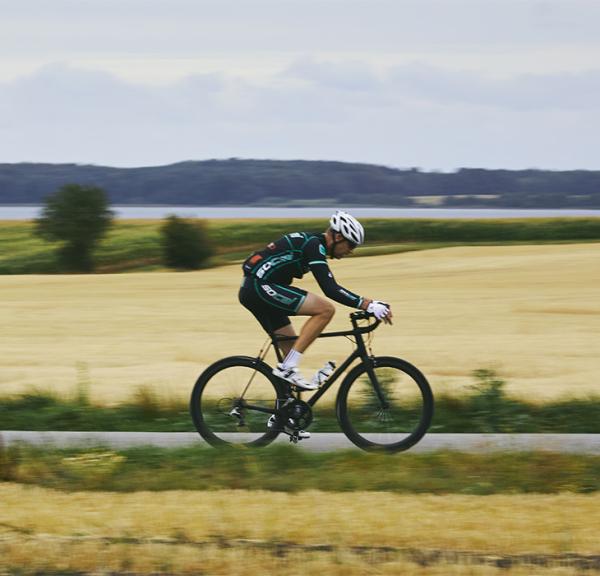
(323, 442)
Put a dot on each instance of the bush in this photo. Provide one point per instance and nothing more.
(186, 244)
(78, 217)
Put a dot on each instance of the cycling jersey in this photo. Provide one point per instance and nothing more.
(291, 257)
(268, 274)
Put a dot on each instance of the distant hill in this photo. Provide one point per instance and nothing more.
(273, 182)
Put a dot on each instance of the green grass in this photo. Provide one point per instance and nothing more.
(487, 409)
(136, 244)
(23, 253)
(131, 245)
(279, 467)
(41, 410)
(128, 246)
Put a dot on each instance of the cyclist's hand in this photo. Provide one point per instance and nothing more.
(381, 311)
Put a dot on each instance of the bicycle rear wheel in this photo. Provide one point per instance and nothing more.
(397, 420)
(227, 400)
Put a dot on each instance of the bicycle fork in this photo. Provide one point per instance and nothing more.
(376, 386)
(369, 361)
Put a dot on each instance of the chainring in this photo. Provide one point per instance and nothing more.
(297, 414)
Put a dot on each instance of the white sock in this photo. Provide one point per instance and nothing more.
(292, 359)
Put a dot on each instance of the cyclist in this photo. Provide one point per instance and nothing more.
(267, 292)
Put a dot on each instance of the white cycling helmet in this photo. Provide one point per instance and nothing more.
(348, 226)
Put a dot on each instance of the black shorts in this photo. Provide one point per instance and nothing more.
(271, 303)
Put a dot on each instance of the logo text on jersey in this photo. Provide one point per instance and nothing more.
(273, 262)
(276, 296)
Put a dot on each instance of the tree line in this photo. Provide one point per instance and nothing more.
(272, 182)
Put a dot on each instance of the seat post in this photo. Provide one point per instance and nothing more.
(275, 340)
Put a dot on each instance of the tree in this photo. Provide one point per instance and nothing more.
(186, 244)
(78, 216)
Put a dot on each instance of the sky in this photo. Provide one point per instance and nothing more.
(433, 84)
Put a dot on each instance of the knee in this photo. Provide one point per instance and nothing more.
(327, 310)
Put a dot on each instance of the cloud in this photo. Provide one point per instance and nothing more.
(399, 82)
(62, 28)
(526, 91)
(346, 75)
(61, 94)
(315, 109)
(357, 83)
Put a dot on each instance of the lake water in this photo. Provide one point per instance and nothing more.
(209, 212)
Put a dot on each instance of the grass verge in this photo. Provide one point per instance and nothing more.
(283, 468)
(487, 409)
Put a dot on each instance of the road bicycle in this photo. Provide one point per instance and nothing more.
(384, 403)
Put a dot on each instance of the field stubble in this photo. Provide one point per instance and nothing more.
(363, 533)
(529, 312)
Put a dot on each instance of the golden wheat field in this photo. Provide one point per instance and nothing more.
(212, 531)
(532, 313)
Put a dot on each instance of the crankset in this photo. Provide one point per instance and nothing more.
(293, 416)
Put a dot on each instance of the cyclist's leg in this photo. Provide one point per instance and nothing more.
(321, 311)
(272, 303)
(286, 345)
(272, 307)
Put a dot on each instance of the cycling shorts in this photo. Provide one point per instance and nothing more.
(271, 303)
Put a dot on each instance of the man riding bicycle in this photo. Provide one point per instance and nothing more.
(268, 293)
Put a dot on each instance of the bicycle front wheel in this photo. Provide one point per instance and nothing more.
(391, 415)
(232, 401)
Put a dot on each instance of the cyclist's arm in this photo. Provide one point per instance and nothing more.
(332, 289)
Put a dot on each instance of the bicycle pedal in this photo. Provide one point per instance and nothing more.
(294, 437)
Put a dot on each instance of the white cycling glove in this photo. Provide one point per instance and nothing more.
(379, 309)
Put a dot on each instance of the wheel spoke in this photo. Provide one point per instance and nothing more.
(222, 399)
(405, 415)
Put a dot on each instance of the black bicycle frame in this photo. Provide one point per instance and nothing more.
(359, 352)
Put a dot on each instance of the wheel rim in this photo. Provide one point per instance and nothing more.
(222, 406)
(401, 420)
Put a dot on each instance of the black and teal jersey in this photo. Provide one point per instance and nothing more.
(292, 256)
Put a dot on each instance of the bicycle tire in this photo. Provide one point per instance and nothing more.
(367, 424)
(211, 414)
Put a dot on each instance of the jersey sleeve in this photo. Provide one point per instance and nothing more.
(317, 262)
